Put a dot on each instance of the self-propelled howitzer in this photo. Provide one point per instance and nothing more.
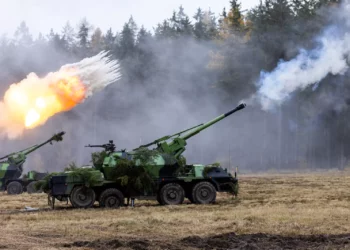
(119, 174)
(11, 166)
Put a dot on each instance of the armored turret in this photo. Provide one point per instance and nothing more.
(177, 146)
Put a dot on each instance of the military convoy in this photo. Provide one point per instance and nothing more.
(160, 173)
(11, 169)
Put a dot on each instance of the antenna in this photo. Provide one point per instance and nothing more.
(95, 118)
(229, 154)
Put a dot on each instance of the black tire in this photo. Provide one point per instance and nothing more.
(31, 188)
(111, 198)
(172, 194)
(204, 193)
(82, 197)
(14, 188)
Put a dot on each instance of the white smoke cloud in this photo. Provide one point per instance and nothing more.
(310, 66)
(95, 72)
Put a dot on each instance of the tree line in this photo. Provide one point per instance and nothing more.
(193, 54)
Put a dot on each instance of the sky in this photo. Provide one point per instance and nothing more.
(42, 15)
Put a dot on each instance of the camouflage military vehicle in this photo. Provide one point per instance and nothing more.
(11, 169)
(28, 182)
(160, 173)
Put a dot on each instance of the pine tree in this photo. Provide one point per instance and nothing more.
(180, 23)
(96, 41)
(235, 17)
(277, 13)
(83, 37)
(143, 36)
(173, 22)
(199, 26)
(69, 36)
(41, 39)
(187, 28)
(224, 14)
(127, 40)
(210, 22)
(133, 26)
(56, 42)
(281, 13)
(180, 17)
(164, 30)
(40, 42)
(109, 40)
(51, 35)
(144, 56)
(272, 25)
(23, 36)
(205, 26)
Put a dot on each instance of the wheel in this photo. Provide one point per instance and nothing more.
(172, 194)
(111, 198)
(14, 188)
(82, 197)
(31, 188)
(204, 193)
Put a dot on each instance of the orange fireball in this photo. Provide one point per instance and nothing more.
(32, 101)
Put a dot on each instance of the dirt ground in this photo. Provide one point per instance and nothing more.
(273, 211)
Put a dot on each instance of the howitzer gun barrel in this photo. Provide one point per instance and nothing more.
(210, 123)
(5, 156)
(55, 137)
(167, 137)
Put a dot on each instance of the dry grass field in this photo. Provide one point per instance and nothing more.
(272, 211)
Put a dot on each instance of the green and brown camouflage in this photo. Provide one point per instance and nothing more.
(160, 173)
(11, 168)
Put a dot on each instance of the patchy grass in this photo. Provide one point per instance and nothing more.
(284, 206)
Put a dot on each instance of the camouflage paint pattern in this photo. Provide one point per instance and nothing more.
(165, 164)
(11, 166)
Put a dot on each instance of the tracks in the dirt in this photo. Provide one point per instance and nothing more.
(223, 241)
(268, 241)
(39, 210)
(21, 211)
